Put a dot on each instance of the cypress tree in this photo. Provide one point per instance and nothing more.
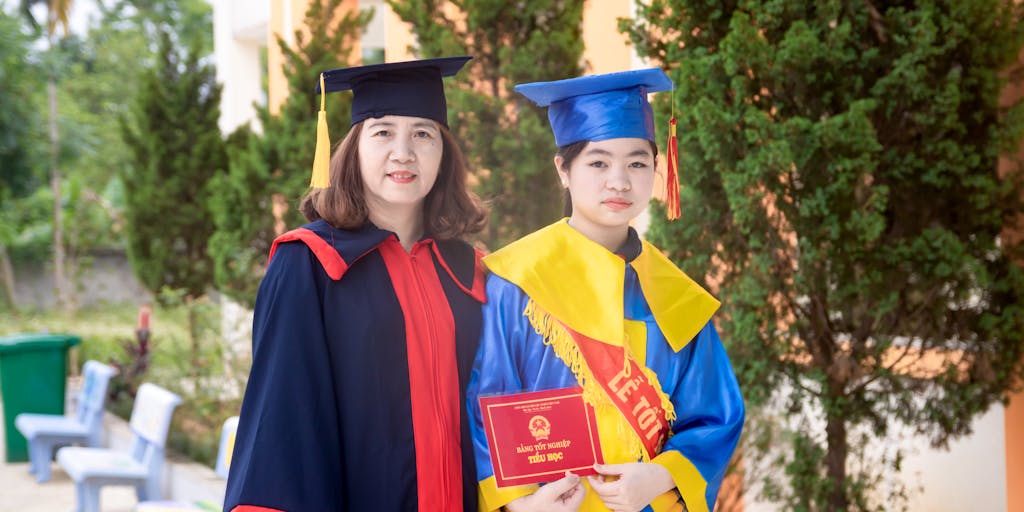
(840, 183)
(505, 137)
(176, 148)
(273, 167)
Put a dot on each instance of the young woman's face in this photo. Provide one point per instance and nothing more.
(610, 182)
(399, 158)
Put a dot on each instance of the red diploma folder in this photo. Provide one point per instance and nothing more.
(535, 437)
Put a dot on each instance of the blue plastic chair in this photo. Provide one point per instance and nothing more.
(141, 467)
(46, 432)
(227, 444)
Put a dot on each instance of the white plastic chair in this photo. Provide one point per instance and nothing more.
(92, 468)
(47, 432)
(227, 444)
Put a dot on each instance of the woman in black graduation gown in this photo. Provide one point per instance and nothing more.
(368, 318)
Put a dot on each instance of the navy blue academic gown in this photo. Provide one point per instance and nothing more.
(327, 418)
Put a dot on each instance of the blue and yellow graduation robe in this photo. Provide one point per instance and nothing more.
(647, 305)
(327, 421)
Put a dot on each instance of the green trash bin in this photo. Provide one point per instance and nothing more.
(32, 376)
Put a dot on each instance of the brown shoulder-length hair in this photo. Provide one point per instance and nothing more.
(450, 210)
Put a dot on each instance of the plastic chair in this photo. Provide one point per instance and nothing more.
(227, 444)
(47, 432)
(92, 468)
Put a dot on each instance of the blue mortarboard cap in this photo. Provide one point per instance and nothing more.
(599, 107)
(410, 88)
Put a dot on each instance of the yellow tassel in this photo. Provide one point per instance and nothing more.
(322, 156)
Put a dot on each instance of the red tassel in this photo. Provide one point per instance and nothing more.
(672, 211)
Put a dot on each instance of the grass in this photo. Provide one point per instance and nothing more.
(100, 327)
(197, 367)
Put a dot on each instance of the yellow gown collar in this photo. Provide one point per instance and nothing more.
(580, 283)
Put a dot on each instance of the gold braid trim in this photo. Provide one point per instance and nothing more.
(558, 338)
(666, 402)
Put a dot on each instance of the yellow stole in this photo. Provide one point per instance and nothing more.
(574, 281)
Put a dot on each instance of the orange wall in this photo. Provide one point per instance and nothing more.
(1014, 418)
(287, 16)
(606, 50)
(1014, 413)
(399, 39)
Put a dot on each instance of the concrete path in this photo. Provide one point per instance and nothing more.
(19, 491)
(182, 479)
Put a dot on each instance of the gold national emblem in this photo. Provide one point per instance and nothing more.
(540, 427)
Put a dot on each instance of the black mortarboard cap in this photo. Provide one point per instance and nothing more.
(411, 88)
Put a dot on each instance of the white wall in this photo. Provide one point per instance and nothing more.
(970, 475)
(374, 38)
(239, 34)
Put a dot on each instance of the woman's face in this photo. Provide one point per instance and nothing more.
(399, 158)
(610, 182)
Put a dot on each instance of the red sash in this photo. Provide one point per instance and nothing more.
(633, 395)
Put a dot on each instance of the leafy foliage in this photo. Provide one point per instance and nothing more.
(176, 149)
(19, 126)
(273, 167)
(506, 138)
(97, 80)
(19, 123)
(132, 365)
(57, 12)
(188, 22)
(839, 163)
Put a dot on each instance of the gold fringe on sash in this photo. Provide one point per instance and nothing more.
(558, 338)
(565, 348)
(666, 402)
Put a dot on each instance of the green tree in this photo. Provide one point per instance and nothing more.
(100, 79)
(19, 125)
(839, 172)
(17, 118)
(176, 148)
(189, 21)
(56, 15)
(506, 138)
(273, 167)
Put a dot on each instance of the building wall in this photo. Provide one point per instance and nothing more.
(399, 40)
(240, 31)
(1013, 429)
(606, 50)
(99, 278)
(1014, 420)
(969, 476)
(966, 476)
(286, 17)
